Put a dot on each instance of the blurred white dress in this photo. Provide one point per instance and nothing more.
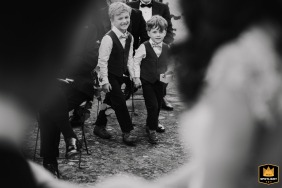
(236, 125)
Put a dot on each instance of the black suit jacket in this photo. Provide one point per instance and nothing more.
(137, 26)
(162, 10)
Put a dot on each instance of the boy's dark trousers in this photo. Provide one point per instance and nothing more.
(153, 95)
(118, 103)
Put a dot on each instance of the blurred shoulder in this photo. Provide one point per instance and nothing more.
(250, 56)
(247, 69)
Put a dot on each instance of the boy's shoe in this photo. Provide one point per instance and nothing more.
(129, 139)
(161, 128)
(73, 147)
(101, 132)
(152, 135)
(53, 168)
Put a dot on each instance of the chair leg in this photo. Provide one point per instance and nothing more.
(98, 107)
(132, 101)
(133, 106)
(36, 143)
(79, 162)
(84, 139)
(80, 153)
(86, 146)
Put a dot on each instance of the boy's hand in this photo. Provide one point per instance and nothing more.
(137, 82)
(107, 87)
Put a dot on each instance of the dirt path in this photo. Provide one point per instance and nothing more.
(109, 157)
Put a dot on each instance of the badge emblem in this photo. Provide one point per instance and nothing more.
(268, 174)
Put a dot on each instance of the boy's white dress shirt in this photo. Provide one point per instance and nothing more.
(105, 52)
(140, 54)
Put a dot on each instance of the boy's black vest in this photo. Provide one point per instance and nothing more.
(117, 63)
(152, 66)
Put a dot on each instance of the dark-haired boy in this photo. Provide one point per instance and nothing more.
(150, 61)
(151, 8)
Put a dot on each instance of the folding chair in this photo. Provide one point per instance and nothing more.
(84, 114)
(84, 110)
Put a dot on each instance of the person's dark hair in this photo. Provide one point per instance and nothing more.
(212, 23)
(156, 22)
(35, 36)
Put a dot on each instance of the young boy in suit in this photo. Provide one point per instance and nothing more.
(137, 28)
(115, 56)
(150, 61)
(151, 8)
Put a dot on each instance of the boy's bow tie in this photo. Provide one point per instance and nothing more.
(155, 45)
(124, 36)
(146, 5)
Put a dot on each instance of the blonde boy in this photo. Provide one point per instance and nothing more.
(115, 54)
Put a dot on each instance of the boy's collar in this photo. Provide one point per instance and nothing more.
(153, 43)
(118, 32)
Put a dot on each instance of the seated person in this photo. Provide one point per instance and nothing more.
(152, 55)
(115, 55)
(67, 95)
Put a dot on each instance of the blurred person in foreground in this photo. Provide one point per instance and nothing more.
(230, 77)
(36, 41)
